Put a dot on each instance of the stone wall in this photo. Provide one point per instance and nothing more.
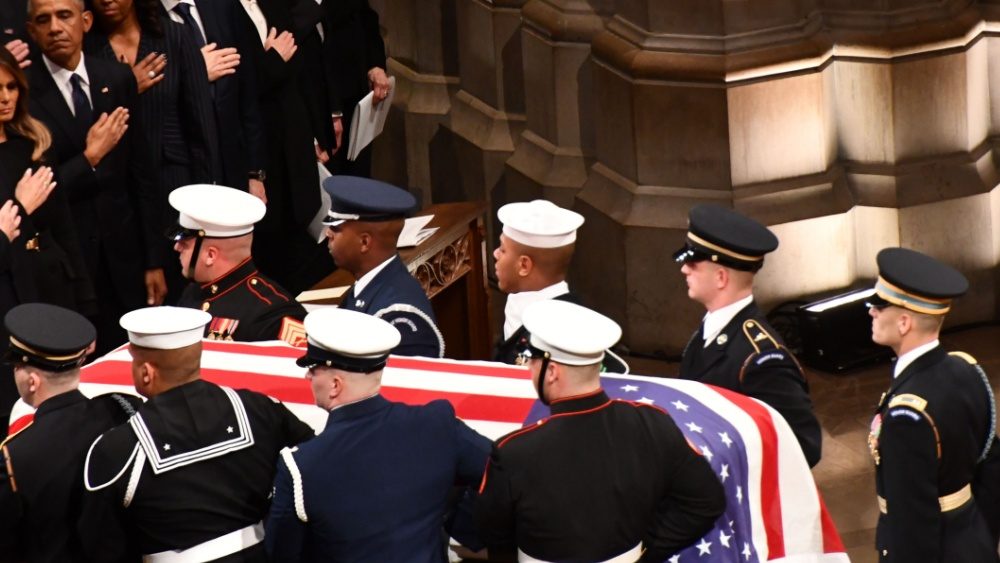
(845, 125)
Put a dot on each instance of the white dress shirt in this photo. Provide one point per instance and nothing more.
(169, 6)
(366, 279)
(62, 76)
(908, 358)
(257, 17)
(717, 320)
(518, 302)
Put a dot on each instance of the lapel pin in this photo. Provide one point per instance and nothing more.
(722, 339)
(105, 90)
(359, 303)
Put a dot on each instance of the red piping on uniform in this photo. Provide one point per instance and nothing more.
(216, 280)
(262, 298)
(591, 394)
(271, 287)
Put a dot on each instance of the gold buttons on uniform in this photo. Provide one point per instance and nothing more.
(215, 289)
(253, 281)
(205, 306)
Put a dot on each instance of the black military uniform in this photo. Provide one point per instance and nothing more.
(747, 356)
(41, 483)
(193, 470)
(599, 476)
(930, 431)
(247, 306)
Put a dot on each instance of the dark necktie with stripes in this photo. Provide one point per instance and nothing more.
(184, 11)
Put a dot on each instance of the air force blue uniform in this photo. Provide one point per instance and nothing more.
(372, 487)
(395, 296)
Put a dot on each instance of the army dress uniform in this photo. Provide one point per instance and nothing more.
(931, 430)
(42, 465)
(247, 306)
(388, 291)
(747, 355)
(599, 479)
(190, 476)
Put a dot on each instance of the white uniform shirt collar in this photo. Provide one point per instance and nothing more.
(518, 302)
(366, 279)
(908, 358)
(62, 75)
(717, 320)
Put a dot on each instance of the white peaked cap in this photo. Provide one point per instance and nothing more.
(219, 211)
(539, 223)
(350, 333)
(165, 328)
(571, 334)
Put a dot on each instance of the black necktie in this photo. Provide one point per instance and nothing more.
(184, 11)
(81, 104)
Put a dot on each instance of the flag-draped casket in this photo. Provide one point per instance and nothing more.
(774, 511)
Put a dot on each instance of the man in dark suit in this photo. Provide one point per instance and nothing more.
(735, 347)
(354, 55)
(190, 476)
(85, 103)
(390, 466)
(213, 239)
(934, 426)
(363, 227)
(599, 480)
(210, 24)
(42, 465)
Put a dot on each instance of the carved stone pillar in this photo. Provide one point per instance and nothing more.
(468, 152)
(423, 57)
(557, 146)
(845, 125)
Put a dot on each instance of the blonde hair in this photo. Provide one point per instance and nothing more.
(22, 123)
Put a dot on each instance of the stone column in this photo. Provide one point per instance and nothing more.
(468, 152)
(557, 147)
(423, 57)
(845, 125)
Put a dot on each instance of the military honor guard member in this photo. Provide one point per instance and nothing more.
(190, 476)
(363, 226)
(735, 347)
(600, 479)
(531, 262)
(373, 485)
(214, 236)
(42, 466)
(933, 426)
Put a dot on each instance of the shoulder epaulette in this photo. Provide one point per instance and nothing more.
(260, 286)
(967, 357)
(759, 338)
(915, 402)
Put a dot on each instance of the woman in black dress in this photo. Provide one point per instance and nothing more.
(174, 110)
(40, 258)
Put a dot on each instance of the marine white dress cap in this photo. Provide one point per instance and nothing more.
(219, 211)
(539, 223)
(165, 328)
(571, 334)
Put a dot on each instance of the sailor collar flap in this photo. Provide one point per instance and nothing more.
(169, 443)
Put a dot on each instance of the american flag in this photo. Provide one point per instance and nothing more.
(774, 511)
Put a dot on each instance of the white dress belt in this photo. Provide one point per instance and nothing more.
(228, 544)
(630, 556)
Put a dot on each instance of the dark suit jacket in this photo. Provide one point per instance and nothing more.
(353, 45)
(178, 121)
(396, 296)
(760, 367)
(288, 111)
(12, 17)
(237, 115)
(391, 467)
(928, 433)
(108, 202)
